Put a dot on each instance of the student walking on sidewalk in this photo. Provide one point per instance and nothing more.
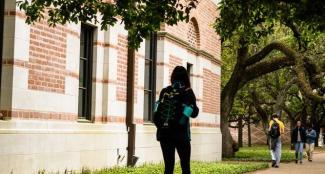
(298, 138)
(310, 142)
(176, 104)
(276, 129)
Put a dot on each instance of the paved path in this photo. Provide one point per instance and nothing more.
(315, 167)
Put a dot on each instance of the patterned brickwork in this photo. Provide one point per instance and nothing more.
(173, 62)
(47, 58)
(205, 15)
(211, 92)
(193, 35)
(122, 56)
(38, 115)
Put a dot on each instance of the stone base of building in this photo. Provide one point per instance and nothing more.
(31, 146)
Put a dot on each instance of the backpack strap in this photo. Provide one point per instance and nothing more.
(187, 89)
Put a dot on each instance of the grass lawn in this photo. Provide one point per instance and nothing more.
(261, 153)
(196, 168)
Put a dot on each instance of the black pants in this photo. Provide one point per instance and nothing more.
(184, 152)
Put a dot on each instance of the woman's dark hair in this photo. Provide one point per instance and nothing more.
(180, 74)
(274, 115)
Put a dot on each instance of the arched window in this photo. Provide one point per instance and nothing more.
(193, 33)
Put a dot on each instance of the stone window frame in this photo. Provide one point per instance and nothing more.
(150, 80)
(85, 77)
(2, 9)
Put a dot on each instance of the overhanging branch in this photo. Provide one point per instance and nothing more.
(257, 68)
(263, 53)
(265, 67)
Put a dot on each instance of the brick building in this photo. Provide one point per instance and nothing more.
(63, 91)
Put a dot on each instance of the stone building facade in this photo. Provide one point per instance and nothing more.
(63, 91)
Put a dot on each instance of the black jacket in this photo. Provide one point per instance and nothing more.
(182, 132)
(302, 133)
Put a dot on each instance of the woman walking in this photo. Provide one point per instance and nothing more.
(298, 138)
(176, 104)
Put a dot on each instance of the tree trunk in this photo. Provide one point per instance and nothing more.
(303, 117)
(240, 131)
(227, 141)
(266, 131)
(292, 126)
(249, 135)
(227, 99)
(314, 120)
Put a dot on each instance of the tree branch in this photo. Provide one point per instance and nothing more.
(292, 58)
(265, 67)
(281, 95)
(263, 53)
(296, 34)
(304, 84)
(258, 107)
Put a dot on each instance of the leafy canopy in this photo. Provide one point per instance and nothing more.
(254, 19)
(140, 17)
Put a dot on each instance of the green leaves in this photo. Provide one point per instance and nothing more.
(140, 17)
(255, 19)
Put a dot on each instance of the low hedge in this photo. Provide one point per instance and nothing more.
(261, 154)
(196, 168)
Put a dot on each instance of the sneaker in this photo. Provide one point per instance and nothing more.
(273, 163)
(296, 161)
(276, 166)
(300, 162)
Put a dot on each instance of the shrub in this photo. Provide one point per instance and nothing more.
(260, 153)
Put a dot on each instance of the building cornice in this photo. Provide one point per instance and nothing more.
(183, 43)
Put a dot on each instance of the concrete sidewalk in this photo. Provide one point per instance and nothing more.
(315, 167)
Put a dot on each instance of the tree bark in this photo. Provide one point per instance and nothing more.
(240, 131)
(249, 135)
(280, 98)
(227, 99)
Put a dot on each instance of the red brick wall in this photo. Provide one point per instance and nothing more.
(122, 56)
(47, 58)
(205, 15)
(211, 92)
(173, 62)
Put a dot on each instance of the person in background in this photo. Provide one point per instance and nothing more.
(310, 142)
(276, 129)
(298, 138)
